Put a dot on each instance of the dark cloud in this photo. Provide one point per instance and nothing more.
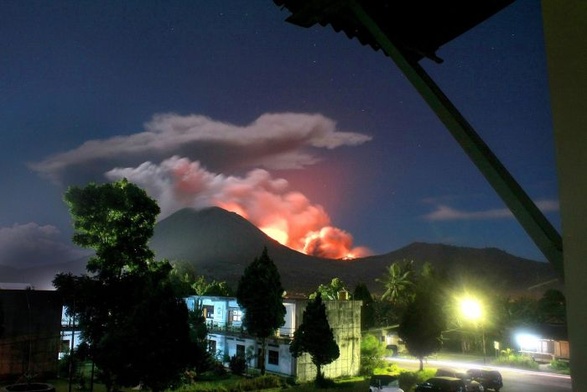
(273, 141)
(29, 245)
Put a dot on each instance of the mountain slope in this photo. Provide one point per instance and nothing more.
(220, 244)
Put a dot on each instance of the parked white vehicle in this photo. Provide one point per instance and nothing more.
(384, 383)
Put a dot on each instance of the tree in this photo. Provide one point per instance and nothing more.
(329, 291)
(158, 333)
(552, 307)
(116, 220)
(260, 294)
(128, 313)
(424, 320)
(362, 293)
(182, 276)
(199, 339)
(372, 353)
(315, 337)
(202, 287)
(398, 283)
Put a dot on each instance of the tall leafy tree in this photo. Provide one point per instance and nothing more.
(362, 293)
(260, 294)
(315, 337)
(424, 320)
(199, 337)
(126, 307)
(552, 307)
(117, 221)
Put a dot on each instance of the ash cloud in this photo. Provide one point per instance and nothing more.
(272, 141)
(200, 163)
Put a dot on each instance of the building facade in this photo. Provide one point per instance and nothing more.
(227, 336)
(29, 333)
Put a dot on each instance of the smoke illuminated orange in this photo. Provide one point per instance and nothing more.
(288, 217)
(275, 233)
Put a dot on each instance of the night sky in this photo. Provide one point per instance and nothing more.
(319, 141)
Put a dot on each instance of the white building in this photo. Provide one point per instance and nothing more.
(227, 337)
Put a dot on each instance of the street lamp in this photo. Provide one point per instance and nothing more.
(473, 310)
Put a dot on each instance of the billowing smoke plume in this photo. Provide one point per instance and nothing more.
(286, 216)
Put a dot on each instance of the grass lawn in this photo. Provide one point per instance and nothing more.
(348, 385)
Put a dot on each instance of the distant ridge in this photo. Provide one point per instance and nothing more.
(220, 244)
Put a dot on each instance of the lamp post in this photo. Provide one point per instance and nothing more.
(472, 309)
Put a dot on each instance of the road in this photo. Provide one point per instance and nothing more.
(514, 380)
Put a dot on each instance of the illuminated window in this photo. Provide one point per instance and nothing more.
(212, 346)
(235, 314)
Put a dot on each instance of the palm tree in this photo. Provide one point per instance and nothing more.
(398, 282)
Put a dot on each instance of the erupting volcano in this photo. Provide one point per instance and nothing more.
(284, 215)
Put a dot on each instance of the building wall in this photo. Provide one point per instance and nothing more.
(566, 53)
(30, 333)
(344, 318)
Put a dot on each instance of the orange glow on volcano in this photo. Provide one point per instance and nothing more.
(287, 216)
(275, 233)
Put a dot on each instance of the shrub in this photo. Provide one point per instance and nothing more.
(408, 379)
(517, 360)
(560, 366)
(263, 382)
(238, 364)
(372, 353)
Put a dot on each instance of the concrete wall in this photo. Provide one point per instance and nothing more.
(344, 318)
(565, 32)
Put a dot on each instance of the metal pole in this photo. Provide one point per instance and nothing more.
(544, 235)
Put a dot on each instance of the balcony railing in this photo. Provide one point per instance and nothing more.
(239, 330)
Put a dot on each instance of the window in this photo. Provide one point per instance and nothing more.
(235, 314)
(273, 357)
(208, 311)
(240, 350)
(212, 346)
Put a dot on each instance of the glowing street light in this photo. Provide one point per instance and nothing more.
(473, 310)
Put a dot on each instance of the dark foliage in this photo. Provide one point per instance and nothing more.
(362, 293)
(260, 294)
(237, 364)
(315, 337)
(424, 320)
(135, 326)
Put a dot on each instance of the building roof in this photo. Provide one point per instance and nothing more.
(417, 27)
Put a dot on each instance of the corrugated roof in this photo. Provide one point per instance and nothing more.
(416, 27)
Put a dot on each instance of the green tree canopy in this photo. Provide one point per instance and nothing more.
(399, 282)
(362, 293)
(117, 221)
(552, 307)
(127, 310)
(315, 337)
(260, 294)
(372, 353)
(329, 291)
(424, 321)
